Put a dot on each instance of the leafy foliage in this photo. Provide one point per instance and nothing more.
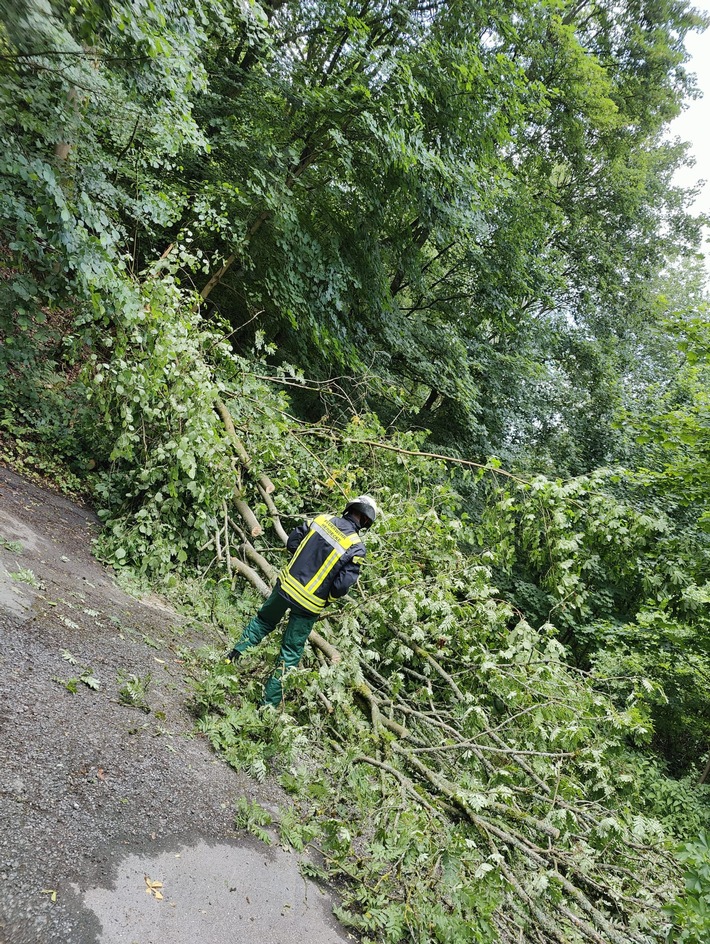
(86, 676)
(504, 749)
(133, 690)
(691, 913)
(464, 207)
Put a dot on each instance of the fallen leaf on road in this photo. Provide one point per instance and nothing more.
(153, 888)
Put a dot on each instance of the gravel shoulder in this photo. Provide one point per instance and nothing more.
(92, 792)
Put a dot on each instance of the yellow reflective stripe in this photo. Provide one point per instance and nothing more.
(308, 600)
(321, 575)
(305, 595)
(313, 605)
(335, 534)
(358, 560)
(301, 546)
(294, 588)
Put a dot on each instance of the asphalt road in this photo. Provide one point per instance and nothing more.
(117, 826)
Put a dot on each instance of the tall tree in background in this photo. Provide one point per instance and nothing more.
(468, 201)
(463, 203)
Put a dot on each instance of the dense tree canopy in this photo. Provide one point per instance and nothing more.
(466, 203)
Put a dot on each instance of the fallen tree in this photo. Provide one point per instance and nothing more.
(468, 783)
(505, 755)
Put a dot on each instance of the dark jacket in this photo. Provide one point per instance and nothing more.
(327, 556)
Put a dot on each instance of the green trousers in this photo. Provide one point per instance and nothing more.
(292, 643)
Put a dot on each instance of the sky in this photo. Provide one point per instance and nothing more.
(694, 124)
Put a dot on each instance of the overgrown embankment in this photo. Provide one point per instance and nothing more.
(481, 762)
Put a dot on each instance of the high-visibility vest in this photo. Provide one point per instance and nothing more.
(308, 576)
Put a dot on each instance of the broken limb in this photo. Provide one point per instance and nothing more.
(248, 517)
(274, 512)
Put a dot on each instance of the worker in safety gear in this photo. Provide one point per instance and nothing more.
(327, 557)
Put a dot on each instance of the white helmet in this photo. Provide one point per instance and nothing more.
(367, 506)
